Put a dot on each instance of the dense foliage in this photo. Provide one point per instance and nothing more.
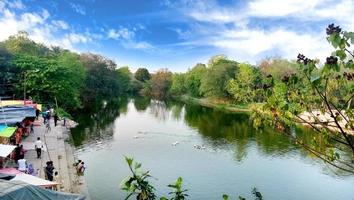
(319, 96)
(54, 76)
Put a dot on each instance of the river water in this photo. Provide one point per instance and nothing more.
(235, 159)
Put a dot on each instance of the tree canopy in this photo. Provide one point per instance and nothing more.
(142, 74)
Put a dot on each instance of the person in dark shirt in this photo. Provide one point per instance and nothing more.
(37, 114)
(55, 119)
(49, 170)
(17, 153)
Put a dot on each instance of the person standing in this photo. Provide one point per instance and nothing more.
(44, 115)
(17, 152)
(49, 170)
(37, 114)
(38, 145)
(55, 119)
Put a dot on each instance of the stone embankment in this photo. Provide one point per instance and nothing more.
(58, 150)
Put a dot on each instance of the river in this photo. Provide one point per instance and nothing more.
(235, 159)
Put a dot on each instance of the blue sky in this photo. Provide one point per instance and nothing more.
(177, 34)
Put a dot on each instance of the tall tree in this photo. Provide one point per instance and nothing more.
(22, 44)
(9, 74)
(194, 78)
(243, 86)
(178, 86)
(101, 81)
(47, 80)
(124, 77)
(278, 67)
(219, 72)
(161, 82)
(142, 74)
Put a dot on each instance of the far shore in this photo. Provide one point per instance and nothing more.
(246, 108)
(216, 104)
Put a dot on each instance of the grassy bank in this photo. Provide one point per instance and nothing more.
(217, 104)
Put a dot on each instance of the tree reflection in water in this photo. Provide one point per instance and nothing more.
(219, 129)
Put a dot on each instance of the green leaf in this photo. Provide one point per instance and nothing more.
(349, 64)
(316, 80)
(341, 54)
(137, 165)
(225, 197)
(350, 35)
(336, 41)
(129, 160)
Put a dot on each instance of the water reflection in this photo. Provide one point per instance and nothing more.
(96, 123)
(219, 130)
(141, 103)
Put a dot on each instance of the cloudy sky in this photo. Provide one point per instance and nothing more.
(177, 34)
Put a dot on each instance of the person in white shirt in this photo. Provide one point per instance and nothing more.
(38, 145)
(22, 164)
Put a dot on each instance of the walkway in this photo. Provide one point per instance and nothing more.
(59, 151)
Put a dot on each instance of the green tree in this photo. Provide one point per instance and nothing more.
(142, 74)
(72, 78)
(178, 84)
(124, 77)
(278, 67)
(21, 44)
(242, 87)
(194, 78)
(48, 80)
(160, 83)
(215, 80)
(101, 82)
(9, 74)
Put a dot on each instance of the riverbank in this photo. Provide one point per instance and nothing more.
(58, 150)
(246, 108)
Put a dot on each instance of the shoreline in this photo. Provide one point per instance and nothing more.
(213, 104)
(230, 108)
(57, 149)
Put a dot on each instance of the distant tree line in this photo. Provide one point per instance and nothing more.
(221, 79)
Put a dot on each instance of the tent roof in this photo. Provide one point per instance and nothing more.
(20, 103)
(32, 180)
(19, 190)
(5, 150)
(14, 114)
(7, 132)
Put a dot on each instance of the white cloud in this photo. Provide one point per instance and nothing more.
(231, 29)
(78, 8)
(2, 6)
(276, 8)
(10, 23)
(122, 33)
(60, 24)
(127, 38)
(255, 42)
(40, 28)
(137, 45)
(17, 4)
(340, 11)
